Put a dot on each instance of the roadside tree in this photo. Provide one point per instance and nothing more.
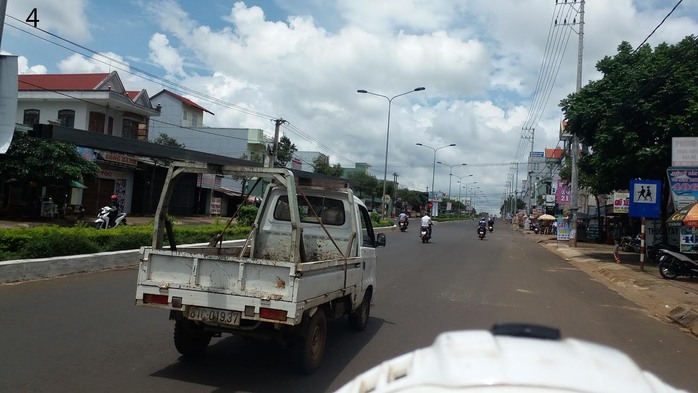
(321, 165)
(628, 117)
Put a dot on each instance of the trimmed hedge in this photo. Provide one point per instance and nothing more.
(52, 241)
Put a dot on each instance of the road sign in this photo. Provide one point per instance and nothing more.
(644, 198)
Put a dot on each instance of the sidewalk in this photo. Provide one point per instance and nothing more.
(667, 300)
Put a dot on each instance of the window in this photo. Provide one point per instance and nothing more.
(96, 123)
(330, 211)
(66, 118)
(31, 117)
(194, 119)
(129, 129)
(185, 115)
(368, 238)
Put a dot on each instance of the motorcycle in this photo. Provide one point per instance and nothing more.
(491, 228)
(424, 234)
(481, 231)
(402, 225)
(630, 244)
(103, 219)
(533, 227)
(673, 264)
(654, 248)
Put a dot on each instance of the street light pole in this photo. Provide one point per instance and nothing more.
(387, 138)
(450, 175)
(433, 171)
(460, 185)
(466, 189)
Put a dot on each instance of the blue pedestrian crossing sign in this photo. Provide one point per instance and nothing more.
(645, 198)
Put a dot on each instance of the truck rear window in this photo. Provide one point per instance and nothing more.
(330, 211)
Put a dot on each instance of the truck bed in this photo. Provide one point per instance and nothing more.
(197, 274)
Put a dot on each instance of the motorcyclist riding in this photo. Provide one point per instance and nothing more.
(426, 222)
(114, 212)
(482, 226)
(404, 217)
(490, 222)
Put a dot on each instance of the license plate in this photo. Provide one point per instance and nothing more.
(214, 315)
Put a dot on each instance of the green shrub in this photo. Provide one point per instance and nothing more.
(246, 215)
(58, 244)
(375, 217)
(51, 241)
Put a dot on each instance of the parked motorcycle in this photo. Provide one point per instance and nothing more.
(673, 264)
(103, 219)
(481, 231)
(630, 244)
(424, 234)
(654, 248)
(402, 224)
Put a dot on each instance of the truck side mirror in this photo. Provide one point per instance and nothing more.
(380, 239)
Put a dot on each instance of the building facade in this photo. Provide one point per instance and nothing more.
(96, 103)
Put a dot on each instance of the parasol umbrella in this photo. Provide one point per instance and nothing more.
(687, 216)
(547, 217)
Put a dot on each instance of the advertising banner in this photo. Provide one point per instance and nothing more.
(562, 193)
(689, 240)
(436, 196)
(621, 202)
(683, 183)
(563, 229)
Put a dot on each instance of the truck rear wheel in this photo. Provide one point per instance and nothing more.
(310, 346)
(190, 339)
(358, 319)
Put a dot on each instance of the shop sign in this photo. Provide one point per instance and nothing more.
(621, 202)
(118, 158)
(216, 206)
(683, 183)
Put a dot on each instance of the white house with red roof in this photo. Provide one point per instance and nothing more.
(93, 102)
(97, 103)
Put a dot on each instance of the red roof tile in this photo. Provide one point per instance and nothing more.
(61, 81)
(184, 100)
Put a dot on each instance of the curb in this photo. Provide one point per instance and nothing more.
(22, 270)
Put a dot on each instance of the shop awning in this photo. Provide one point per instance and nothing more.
(77, 184)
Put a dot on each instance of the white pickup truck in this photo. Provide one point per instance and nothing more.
(311, 255)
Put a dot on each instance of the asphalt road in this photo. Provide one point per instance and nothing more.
(83, 332)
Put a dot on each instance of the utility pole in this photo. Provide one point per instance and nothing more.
(574, 186)
(3, 10)
(275, 146)
(531, 137)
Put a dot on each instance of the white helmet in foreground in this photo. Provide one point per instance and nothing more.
(509, 358)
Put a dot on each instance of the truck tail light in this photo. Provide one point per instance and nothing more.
(270, 313)
(159, 299)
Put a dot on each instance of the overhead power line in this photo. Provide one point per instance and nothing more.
(129, 69)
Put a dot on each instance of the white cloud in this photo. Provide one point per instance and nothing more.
(162, 54)
(102, 62)
(479, 61)
(23, 67)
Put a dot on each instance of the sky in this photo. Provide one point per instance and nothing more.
(251, 62)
